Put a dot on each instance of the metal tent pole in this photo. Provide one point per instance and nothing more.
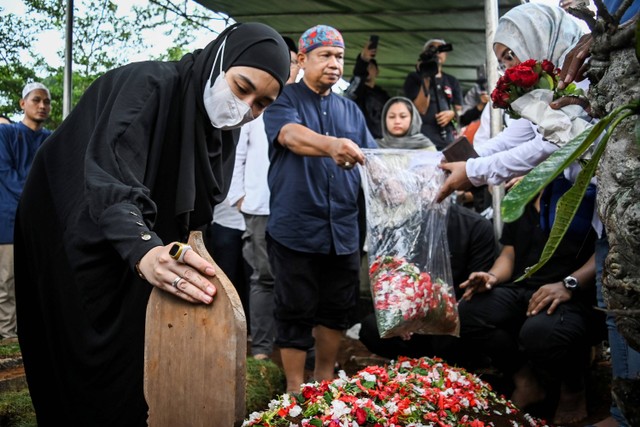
(68, 56)
(491, 22)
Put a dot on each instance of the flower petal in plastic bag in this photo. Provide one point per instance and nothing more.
(409, 266)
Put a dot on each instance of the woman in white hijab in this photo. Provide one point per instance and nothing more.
(528, 31)
(536, 31)
(539, 32)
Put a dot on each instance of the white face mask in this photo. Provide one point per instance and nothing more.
(225, 110)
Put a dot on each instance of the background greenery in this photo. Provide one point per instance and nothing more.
(103, 38)
(265, 380)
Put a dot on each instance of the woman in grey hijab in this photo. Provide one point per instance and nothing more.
(401, 126)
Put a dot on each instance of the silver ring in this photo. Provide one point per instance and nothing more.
(347, 164)
(176, 281)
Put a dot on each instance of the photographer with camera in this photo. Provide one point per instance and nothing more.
(436, 94)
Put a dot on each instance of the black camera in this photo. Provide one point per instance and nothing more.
(428, 65)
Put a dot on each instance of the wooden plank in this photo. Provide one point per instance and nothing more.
(195, 356)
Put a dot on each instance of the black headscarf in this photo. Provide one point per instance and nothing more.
(207, 154)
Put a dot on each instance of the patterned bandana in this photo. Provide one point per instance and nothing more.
(318, 36)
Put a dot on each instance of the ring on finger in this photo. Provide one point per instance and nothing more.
(178, 250)
(347, 164)
(176, 281)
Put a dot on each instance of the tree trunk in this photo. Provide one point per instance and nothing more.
(618, 199)
(619, 195)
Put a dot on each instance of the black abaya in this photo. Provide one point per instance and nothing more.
(137, 164)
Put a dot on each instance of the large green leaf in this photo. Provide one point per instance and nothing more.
(515, 201)
(518, 197)
(569, 203)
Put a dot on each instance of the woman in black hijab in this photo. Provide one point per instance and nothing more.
(139, 163)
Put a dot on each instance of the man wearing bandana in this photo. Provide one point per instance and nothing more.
(315, 139)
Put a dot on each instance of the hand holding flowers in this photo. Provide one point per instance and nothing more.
(527, 89)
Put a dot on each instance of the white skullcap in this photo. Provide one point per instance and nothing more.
(29, 87)
(432, 41)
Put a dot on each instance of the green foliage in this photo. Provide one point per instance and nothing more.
(514, 202)
(16, 409)
(9, 350)
(265, 380)
(103, 38)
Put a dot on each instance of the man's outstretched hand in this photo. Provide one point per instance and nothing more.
(457, 179)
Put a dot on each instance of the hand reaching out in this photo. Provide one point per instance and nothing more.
(346, 153)
(574, 65)
(457, 179)
(478, 282)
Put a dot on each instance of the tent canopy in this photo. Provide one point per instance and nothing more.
(402, 25)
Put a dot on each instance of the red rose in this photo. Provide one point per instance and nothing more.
(522, 76)
(548, 67)
(499, 98)
(530, 63)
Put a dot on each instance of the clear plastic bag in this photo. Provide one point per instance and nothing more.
(409, 267)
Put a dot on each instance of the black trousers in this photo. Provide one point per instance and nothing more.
(556, 345)
(310, 290)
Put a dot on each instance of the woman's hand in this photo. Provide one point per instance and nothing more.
(183, 279)
(571, 100)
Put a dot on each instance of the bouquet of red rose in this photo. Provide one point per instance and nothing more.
(526, 91)
(409, 266)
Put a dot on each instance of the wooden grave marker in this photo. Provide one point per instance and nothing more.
(195, 356)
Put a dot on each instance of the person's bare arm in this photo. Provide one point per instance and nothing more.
(422, 100)
(305, 142)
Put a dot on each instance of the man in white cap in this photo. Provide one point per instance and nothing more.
(18, 145)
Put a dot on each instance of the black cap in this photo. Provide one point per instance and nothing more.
(291, 44)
